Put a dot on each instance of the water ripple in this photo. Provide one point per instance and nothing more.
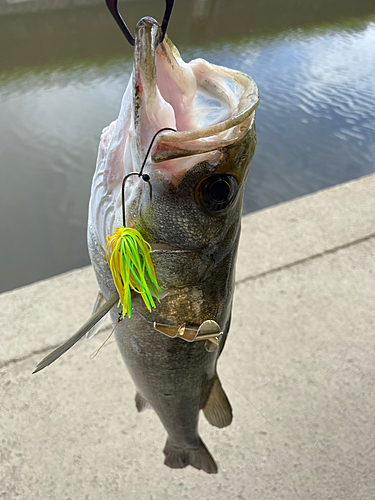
(315, 128)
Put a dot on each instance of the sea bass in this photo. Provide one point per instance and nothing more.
(190, 214)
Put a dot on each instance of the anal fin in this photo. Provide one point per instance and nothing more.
(141, 403)
(217, 409)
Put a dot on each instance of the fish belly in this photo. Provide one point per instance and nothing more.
(174, 378)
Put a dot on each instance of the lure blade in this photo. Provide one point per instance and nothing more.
(128, 257)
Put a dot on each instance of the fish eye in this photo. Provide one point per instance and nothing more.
(217, 192)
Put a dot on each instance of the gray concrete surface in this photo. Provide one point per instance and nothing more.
(298, 368)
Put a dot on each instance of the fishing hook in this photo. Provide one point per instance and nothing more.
(145, 177)
(112, 6)
(150, 146)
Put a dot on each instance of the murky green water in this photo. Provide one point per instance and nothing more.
(63, 72)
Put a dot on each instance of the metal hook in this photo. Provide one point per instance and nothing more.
(112, 6)
(150, 146)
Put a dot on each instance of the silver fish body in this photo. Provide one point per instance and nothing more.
(192, 221)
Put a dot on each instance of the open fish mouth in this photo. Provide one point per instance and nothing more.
(209, 106)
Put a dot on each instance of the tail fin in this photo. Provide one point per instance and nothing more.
(200, 458)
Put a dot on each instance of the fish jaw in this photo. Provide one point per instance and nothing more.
(151, 111)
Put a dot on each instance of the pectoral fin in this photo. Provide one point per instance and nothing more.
(217, 409)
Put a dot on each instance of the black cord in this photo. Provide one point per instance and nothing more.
(145, 177)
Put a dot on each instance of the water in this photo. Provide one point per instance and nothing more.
(64, 70)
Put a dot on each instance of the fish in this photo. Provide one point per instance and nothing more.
(189, 212)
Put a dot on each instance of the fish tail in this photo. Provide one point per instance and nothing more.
(200, 458)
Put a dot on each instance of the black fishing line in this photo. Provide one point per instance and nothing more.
(145, 177)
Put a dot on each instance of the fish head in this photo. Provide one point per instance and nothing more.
(190, 209)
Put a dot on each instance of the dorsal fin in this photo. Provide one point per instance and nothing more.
(217, 409)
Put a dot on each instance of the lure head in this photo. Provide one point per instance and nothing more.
(197, 174)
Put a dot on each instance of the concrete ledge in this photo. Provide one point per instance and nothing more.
(298, 369)
(307, 226)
